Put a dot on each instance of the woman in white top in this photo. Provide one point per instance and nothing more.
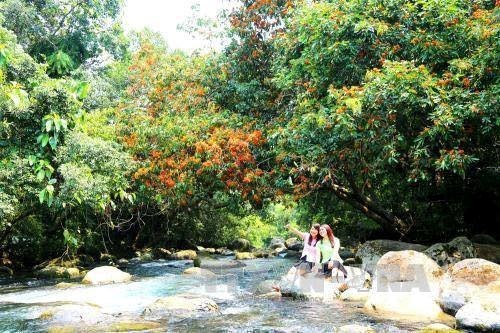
(310, 254)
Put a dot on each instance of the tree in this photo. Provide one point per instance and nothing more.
(392, 114)
(65, 33)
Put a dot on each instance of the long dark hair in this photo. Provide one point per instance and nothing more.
(318, 236)
(329, 234)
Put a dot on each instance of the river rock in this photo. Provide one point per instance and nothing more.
(214, 264)
(444, 254)
(483, 239)
(180, 307)
(309, 287)
(161, 253)
(355, 328)
(86, 314)
(279, 250)
(205, 250)
(65, 285)
(184, 255)
(490, 252)
(370, 252)
(354, 295)
(106, 274)
(107, 258)
(437, 328)
(199, 272)
(294, 244)
(224, 251)
(480, 314)
(240, 244)
(347, 253)
(244, 255)
(261, 253)
(145, 255)
(292, 254)
(58, 272)
(122, 262)
(468, 279)
(277, 242)
(356, 277)
(407, 284)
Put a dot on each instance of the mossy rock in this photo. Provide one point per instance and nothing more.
(244, 255)
(46, 315)
(184, 255)
(58, 272)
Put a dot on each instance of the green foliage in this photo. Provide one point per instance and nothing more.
(391, 114)
(65, 32)
(377, 117)
(253, 228)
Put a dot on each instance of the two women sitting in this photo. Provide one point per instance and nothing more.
(320, 250)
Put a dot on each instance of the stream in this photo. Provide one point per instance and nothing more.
(24, 304)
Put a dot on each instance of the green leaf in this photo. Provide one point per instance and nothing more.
(82, 90)
(48, 126)
(44, 140)
(53, 142)
(41, 195)
(32, 160)
(354, 104)
(40, 175)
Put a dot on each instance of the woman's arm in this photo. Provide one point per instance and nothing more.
(295, 231)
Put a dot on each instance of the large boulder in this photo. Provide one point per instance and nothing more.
(180, 307)
(490, 252)
(240, 244)
(444, 254)
(466, 280)
(406, 284)
(184, 255)
(58, 272)
(199, 272)
(105, 275)
(309, 287)
(277, 242)
(481, 314)
(354, 295)
(294, 244)
(370, 252)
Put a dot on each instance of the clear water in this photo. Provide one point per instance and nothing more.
(22, 302)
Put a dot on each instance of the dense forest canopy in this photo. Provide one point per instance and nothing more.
(378, 117)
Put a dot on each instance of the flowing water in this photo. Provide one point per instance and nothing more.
(25, 304)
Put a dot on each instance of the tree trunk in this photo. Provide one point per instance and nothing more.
(370, 208)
